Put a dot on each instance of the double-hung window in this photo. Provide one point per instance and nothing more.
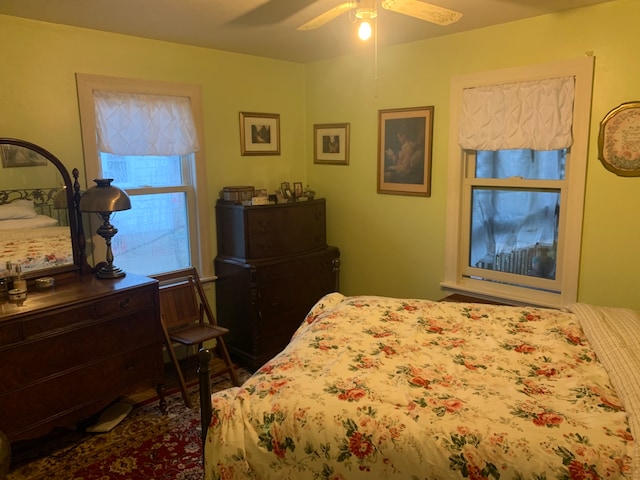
(518, 156)
(147, 137)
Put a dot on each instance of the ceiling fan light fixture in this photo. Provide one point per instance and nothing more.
(364, 30)
(367, 13)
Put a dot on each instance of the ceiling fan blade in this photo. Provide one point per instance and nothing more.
(326, 17)
(424, 11)
(272, 11)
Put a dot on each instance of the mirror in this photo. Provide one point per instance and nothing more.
(38, 218)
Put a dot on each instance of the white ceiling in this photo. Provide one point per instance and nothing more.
(267, 28)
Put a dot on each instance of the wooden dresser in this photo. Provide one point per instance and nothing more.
(68, 352)
(273, 265)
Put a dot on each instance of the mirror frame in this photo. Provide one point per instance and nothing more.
(73, 197)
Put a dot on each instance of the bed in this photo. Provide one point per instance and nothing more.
(382, 388)
(34, 232)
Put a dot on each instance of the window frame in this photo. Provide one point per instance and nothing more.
(198, 212)
(572, 199)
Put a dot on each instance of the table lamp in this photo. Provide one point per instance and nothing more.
(104, 199)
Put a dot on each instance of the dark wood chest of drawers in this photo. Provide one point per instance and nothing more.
(68, 352)
(273, 265)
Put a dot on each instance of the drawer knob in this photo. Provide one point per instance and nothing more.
(125, 303)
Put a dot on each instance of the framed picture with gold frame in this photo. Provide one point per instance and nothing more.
(619, 140)
(405, 136)
(259, 133)
(331, 143)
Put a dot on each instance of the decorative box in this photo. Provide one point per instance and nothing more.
(237, 194)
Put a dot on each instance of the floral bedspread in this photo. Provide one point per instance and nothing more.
(382, 388)
(35, 248)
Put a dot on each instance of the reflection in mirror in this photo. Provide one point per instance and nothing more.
(37, 217)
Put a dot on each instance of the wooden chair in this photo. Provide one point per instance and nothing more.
(187, 319)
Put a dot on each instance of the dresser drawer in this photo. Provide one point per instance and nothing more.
(300, 267)
(51, 401)
(114, 305)
(62, 318)
(123, 303)
(10, 332)
(285, 231)
(274, 334)
(269, 231)
(53, 354)
(276, 299)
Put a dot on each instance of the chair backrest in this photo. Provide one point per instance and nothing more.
(182, 299)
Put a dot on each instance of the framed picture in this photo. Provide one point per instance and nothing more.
(331, 144)
(619, 140)
(405, 136)
(16, 156)
(259, 133)
(298, 191)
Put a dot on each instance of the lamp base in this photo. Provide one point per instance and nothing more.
(110, 271)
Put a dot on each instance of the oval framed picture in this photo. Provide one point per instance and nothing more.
(619, 140)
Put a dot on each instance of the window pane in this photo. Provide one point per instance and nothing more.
(153, 236)
(514, 231)
(134, 172)
(528, 164)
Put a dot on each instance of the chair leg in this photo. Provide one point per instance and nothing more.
(224, 353)
(176, 366)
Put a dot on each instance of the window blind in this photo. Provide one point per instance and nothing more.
(140, 124)
(533, 115)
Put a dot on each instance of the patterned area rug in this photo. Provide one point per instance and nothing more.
(146, 444)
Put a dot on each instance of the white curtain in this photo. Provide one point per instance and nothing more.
(534, 115)
(137, 125)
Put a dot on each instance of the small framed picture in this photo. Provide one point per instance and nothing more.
(259, 133)
(298, 191)
(404, 151)
(331, 144)
(285, 186)
(16, 156)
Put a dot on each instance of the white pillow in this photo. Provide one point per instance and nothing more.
(39, 221)
(17, 209)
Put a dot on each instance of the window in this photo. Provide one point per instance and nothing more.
(158, 166)
(516, 182)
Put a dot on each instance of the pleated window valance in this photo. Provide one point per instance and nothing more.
(137, 124)
(533, 115)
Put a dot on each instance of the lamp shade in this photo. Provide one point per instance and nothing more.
(104, 197)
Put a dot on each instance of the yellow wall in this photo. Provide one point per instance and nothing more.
(391, 245)
(38, 99)
(394, 245)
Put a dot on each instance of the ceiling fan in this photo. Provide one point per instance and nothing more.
(366, 10)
